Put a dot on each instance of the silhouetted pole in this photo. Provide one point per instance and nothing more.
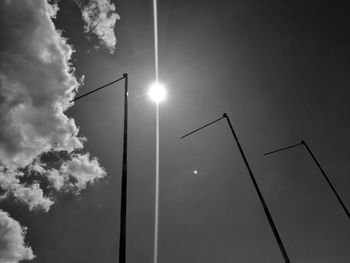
(122, 239)
(261, 198)
(326, 178)
(322, 171)
(122, 233)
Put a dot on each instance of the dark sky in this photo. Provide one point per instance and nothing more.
(280, 69)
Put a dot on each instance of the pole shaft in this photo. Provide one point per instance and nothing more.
(122, 239)
(326, 178)
(266, 210)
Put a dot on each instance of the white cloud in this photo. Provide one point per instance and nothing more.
(39, 143)
(76, 173)
(56, 179)
(100, 17)
(83, 170)
(31, 195)
(36, 85)
(12, 246)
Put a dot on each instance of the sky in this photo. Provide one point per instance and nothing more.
(279, 69)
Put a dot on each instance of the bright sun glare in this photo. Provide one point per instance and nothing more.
(157, 92)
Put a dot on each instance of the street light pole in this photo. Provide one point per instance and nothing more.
(261, 198)
(123, 205)
(122, 238)
(322, 171)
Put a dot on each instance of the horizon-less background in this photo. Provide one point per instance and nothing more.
(281, 72)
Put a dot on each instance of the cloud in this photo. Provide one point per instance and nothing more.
(36, 84)
(12, 246)
(100, 17)
(40, 149)
(77, 173)
(31, 195)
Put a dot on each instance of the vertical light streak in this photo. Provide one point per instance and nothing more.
(156, 209)
(155, 19)
(156, 214)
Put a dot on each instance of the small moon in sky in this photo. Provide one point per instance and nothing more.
(195, 172)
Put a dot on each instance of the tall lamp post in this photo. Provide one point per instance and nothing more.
(261, 198)
(322, 171)
(122, 233)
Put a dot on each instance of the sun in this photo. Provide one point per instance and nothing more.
(157, 92)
